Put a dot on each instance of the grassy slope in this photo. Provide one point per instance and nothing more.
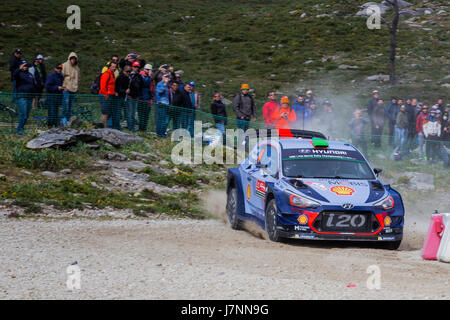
(247, 50)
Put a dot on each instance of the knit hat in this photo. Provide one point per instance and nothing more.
(284, 99)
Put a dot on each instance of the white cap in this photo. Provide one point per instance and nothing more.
(148, 66)
(308, 92)
(40, 56)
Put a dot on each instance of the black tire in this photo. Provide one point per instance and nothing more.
(271, 221)
(391, 245)
(232, 211)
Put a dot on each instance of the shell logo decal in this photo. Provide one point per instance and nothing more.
(342, 190)
(303, 219)
(249, 192)
(387, 221)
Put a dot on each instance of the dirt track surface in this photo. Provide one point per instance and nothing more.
(185, 259)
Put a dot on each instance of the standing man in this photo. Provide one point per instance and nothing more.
(71, 73)
(54, 89)
(301, 112)
(14, 64)
(162, 103)
(244, 107)
(391, 112)
(370, 107)
(25, 90)
(309, 99)
(378, 123)
(145, 104)
(269, 108)
(107, 93)
(432, 133)
(419, 130)
(219, 113)
(39, 82)
(134, 93)
(114, 58)
(176, 101)
(401, 129)
(121, 86)
(357, 128)
(329, 118)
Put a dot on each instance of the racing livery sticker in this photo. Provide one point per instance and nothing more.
(308, 153)
(249, 191)
(303, 219)
(342, 190)
(260, 189)
(317, 185)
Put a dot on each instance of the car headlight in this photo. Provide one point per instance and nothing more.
(385, 204)
(302, 202)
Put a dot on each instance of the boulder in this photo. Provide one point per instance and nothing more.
(408, 13)
(401, 4)
(118, 138)
(378, 77)
(116, 156)
(63, 137)
(346, 67)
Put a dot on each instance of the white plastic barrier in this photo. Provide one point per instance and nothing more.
(444, 248)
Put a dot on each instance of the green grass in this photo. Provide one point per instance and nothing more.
(254, 40)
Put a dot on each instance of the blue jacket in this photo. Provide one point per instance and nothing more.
(54, 80)
(392, 110)
(187, 100)
(147, 94)
(24, 81)
(301, 111)
(162, 93)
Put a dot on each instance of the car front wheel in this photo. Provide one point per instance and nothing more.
(271, 221)
(232, 211)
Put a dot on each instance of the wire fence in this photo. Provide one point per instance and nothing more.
(20, 113)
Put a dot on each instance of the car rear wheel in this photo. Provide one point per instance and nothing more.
(232, 211)
(271, 221)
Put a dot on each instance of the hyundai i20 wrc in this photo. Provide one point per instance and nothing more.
(306, 187)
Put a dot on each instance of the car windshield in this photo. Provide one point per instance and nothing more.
(327, 168)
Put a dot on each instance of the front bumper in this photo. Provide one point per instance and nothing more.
(313, 228)
(397, 236)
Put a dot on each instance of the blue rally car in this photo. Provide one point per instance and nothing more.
(306, 187)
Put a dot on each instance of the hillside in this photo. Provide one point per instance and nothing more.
(287, 46)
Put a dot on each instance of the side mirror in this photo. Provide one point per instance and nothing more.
(377, 171)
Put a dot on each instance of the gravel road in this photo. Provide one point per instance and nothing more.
(186, 259)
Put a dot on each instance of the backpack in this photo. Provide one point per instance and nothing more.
(95, 85)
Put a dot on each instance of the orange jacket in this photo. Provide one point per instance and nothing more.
(107, 83)
(280, 122)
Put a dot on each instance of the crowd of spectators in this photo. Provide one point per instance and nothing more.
(129, 86)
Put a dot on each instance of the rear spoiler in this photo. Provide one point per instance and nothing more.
(287, 133)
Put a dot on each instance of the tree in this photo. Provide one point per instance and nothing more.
(393, 28)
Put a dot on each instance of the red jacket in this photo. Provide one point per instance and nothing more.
(281, 122)
(268, 109)
(107, 83)
(419, 121)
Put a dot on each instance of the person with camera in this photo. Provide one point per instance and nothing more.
(25, 89)
(284, 116)
(162, 104)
